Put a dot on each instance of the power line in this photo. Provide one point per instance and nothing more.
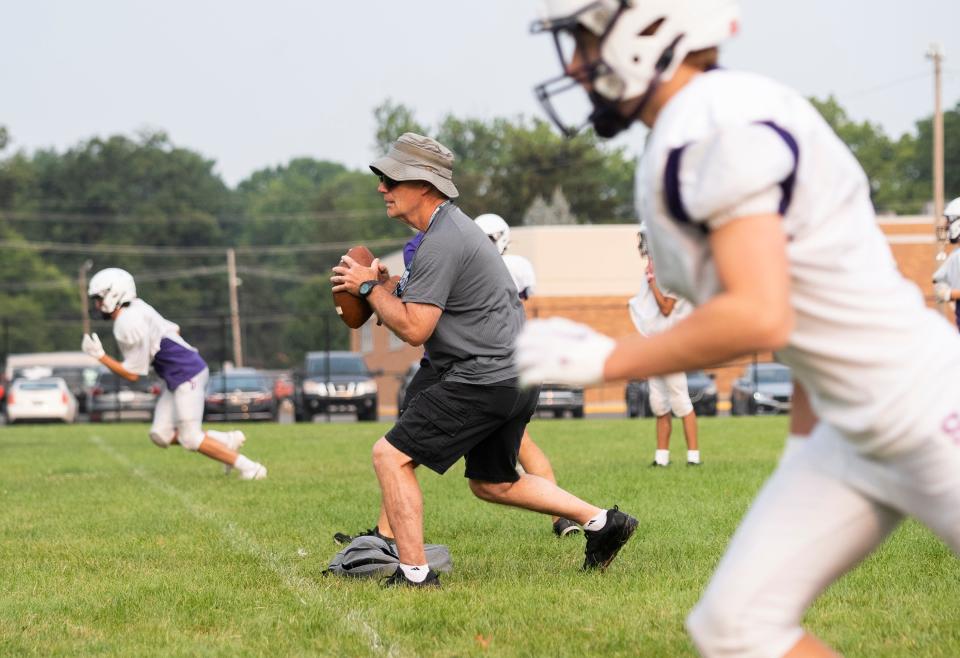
(145, 250)
(59, 216)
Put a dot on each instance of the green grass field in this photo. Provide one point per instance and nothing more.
(111, 547)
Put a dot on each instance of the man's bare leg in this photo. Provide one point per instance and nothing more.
(534, 461)
(402, 500)
(537, 495)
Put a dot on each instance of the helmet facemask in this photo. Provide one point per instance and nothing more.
(634, 47)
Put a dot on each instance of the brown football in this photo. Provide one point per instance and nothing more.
(353, 310)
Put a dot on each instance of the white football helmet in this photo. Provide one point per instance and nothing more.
(496, 228)
(114, 287)
(641, 43)
(952, 215)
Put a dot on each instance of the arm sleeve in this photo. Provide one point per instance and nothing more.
(135, 349)
(744, 170)
(432, 275)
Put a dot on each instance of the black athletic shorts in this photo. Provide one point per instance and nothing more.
(482, 422)
(423, 378)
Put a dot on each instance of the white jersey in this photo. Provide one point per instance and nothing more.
(522, 272)
(146, 338)
(878, 364)
(949, 272)
(645, 312)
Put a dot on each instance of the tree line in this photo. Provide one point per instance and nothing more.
(115, 195)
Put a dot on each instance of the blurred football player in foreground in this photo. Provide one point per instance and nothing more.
(761, 216)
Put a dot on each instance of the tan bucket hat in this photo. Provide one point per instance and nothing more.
(415, 157)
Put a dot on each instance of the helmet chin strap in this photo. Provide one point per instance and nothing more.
(608, 120)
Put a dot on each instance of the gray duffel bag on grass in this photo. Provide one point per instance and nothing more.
(371, 557)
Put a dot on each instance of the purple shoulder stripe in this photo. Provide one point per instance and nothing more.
(786, 185)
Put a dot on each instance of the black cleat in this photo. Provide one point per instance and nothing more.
(694, 463)
(564, 527)
(604, 544)
(655, 464)
(399, 579)
(343, 538)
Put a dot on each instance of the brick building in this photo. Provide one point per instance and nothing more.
(588, 272)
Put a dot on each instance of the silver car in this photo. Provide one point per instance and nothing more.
(764, 388)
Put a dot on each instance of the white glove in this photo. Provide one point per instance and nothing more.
(561, 351)
(91, 345)
(942, 291)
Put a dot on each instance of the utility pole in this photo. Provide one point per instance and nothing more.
(233, 282)
(935, 54)
(84, 301)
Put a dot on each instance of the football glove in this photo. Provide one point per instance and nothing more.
(942, 292)
(91, 345)
(561, 351)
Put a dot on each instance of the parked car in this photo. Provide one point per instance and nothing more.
(405, 382)
(77, 369)
(240, 394)
(336, 382)
(114, 398)
(47, 398)
(700, 385)
(559, 399)
(764, 388)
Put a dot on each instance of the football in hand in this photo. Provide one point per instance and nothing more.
(354, 310)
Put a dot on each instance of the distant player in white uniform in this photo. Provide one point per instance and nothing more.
(654, 310)
(761, 216)
(946, 280)
(531, 458)
(147, 339)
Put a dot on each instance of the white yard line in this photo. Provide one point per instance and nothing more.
(243, 542)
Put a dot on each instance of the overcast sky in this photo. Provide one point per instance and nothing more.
(252, 84)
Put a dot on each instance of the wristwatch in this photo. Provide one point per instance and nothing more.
(367, 287)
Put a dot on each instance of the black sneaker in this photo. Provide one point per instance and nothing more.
(399, 579)
(343, 538)
(564, 527)
(604, 544)
(694, 463)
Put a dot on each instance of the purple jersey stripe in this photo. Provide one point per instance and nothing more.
(176, 364)
(786, 185)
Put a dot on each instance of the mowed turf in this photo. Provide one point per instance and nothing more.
(111, 547)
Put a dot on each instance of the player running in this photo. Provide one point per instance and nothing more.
(761, 216)
(147, 339)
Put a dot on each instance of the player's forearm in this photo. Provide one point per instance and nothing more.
(117, 368)
(722, 329)
(396, 316)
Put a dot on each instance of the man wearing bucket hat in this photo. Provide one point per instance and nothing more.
(458, 299)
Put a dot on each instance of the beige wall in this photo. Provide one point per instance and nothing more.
(588, 272)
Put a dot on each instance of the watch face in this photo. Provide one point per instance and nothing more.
(366, 287)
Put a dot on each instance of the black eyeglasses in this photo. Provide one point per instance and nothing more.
(388, 182)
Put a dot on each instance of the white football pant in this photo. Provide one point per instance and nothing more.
(822, 511)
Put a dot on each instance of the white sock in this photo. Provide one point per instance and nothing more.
(597, 522)
(243, 463)
(693, 456)
(662, 457)
(415, 572)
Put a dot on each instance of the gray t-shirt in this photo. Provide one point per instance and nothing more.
(457, 268)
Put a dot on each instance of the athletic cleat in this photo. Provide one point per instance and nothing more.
(255, 472)
(235, 442)
(604, 544)
(564, 527)
(344, 538)
(656, 464)
(399, 579)
(694, 463)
